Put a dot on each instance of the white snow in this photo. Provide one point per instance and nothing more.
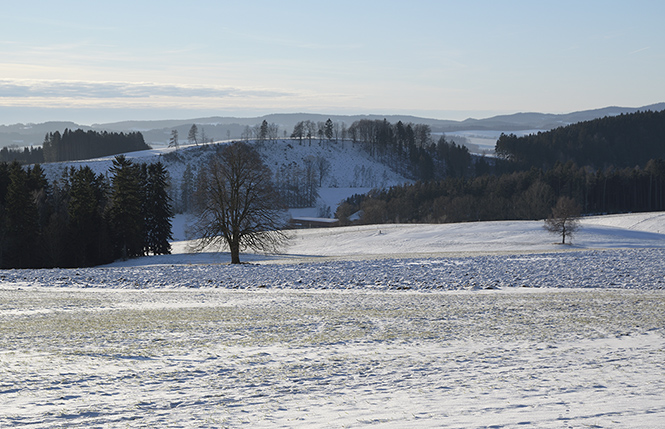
(352, 170)
(463, 325)
(488, 324)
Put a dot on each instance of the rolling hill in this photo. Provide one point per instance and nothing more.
(218, 128)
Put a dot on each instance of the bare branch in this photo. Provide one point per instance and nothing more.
(237, 205)
(565, 218)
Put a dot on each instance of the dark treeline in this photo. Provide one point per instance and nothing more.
(620, 141)
(31, 155)
(82, 219)
(410, 150)
(76, 145)
(511, 196)
(79, 144)
(609, 165)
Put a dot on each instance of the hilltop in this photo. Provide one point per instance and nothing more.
(352, 170)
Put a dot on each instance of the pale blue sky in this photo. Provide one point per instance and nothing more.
(92, 61)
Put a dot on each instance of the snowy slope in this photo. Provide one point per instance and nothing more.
(352, 171)
(640, 230)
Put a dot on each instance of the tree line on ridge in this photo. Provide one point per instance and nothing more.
(82, 219)
(608, 165)
(73, 145)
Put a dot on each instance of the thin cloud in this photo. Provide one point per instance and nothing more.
(103, 90)
(640, 50)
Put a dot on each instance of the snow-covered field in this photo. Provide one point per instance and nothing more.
(464, 325)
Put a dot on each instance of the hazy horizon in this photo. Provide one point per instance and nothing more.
(68, 61)
(88, 117)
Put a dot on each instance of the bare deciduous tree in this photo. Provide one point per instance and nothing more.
(236, 203)
(173, 141)
(565, 218)
(204, 138)
(273, 131)
(324, 168)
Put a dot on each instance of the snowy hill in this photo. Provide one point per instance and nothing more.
(352, 171)
(629, 231)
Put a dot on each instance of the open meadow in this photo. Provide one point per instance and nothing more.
(464, 325)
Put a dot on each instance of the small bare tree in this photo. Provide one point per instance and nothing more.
(324, 168)
(236, 203)
(565, 218)
(173, 141)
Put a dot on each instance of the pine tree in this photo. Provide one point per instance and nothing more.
(21, 222)
(85, 218)
(159, 212)
(328, 129)
(263, 131)
(40, 192)
(56, 233)
(125, 212)
(193, 136)
(145, 205)
(298, 131)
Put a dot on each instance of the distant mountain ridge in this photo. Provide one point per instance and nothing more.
(548, 121)
(218, 127)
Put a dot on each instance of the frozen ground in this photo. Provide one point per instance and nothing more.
(467, 325)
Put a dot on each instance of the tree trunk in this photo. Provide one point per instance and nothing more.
(234, 246)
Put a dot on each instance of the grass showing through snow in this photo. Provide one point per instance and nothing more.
(211, 358)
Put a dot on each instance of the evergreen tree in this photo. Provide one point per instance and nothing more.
(159, 213)
(145, 205)
(56, 234)
(4, 184)
(125, 212)
(39, 189)
(263, 131)
(86, 223)
(21, 222)
(52, 147)
(79, 144)
(328, 129)
(193, 136)
(298, 131)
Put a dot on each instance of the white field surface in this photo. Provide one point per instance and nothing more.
(462, 325)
